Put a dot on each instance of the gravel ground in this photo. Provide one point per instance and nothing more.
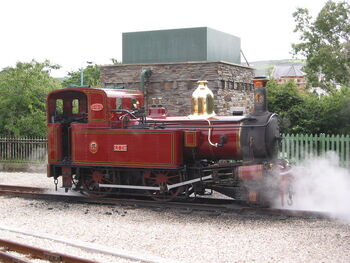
(194, 237)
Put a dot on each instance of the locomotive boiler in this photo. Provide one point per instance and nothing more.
(103, 142)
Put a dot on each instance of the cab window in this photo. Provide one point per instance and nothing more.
(75, 106)
(67, 107)
(135, 104)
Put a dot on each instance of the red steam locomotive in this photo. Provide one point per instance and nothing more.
(101, 141)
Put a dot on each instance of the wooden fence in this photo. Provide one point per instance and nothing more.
(298, 147)
(295, 148)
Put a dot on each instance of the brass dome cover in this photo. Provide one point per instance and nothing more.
(202, 102)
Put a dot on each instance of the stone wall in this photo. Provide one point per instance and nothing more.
(175, 82)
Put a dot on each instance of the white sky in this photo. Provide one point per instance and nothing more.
(71, 32)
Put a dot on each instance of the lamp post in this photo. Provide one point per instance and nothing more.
(82, 73)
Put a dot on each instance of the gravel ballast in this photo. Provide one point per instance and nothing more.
(196, 237)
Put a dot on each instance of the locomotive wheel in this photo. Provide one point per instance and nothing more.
(162, 179)
(90, 183)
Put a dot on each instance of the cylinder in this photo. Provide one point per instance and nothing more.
(251, 172)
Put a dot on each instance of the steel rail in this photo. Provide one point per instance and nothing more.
(193, 206)
(22, 188)
(8, 258)
(93, 247)
(200, 204)
(36, 252)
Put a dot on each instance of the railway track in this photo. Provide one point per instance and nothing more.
(209, 205)
(117, 254)
(26, 253)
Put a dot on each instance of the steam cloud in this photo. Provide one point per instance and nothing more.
(322, 185)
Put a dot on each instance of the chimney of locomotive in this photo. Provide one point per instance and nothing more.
(202, 102)
(260, 100)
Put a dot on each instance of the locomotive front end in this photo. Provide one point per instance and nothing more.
(252, 137)
(260, 130)
(240, 152)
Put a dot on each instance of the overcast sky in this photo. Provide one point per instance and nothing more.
(71, 32)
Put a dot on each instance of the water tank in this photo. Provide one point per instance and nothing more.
(180, 45)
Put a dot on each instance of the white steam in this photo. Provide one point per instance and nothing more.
(320, 184)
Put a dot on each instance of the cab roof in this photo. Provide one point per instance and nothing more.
(109, 93)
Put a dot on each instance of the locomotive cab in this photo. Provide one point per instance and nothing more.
(63, 109)
(72, 109)
(67, 107)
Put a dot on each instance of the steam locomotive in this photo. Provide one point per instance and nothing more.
(103, 142)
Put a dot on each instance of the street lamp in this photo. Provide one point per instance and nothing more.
(82, 73)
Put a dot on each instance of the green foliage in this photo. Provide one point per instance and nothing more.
(23, 91)
(91, 77)
(281, 98)
(305, 112)
(325, 42)
(305, 116)
(335, 114)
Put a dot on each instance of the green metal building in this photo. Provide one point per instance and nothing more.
(180, 45)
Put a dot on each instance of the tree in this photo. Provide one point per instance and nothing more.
(305, 112)
(23, 91)
(325, 42)
(334, 115)
(91, 77)
(304, 117)
(280, 99)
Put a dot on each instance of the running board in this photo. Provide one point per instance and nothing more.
(155, 188)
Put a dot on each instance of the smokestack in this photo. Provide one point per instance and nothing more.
(260, 100)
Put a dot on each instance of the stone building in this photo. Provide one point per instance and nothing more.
(175, 82)
(175, 60)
